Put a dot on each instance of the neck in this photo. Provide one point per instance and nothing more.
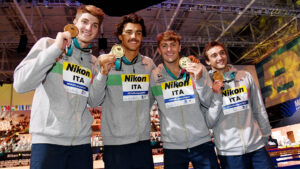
(130, 55)
(173, 67)
(223, 70)
(82, 44)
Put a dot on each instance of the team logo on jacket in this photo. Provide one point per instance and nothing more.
(135, 86)
(178, 93)
(235, 99)
(76, 78)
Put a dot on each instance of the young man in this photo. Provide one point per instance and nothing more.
(179, 94)
(242, 128)
(60, 123)
(127, 101)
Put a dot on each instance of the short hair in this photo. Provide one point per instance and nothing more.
(168, 36)
(91, 9)
(131, 18)
(211, 45)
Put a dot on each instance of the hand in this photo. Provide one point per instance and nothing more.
(195, 69)
(106, 62)
(194, 59)
(63, 40)
(217, 86)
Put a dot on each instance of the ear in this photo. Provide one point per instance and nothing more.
(75, 21)
(207, 62)
(179, 48)
(158, 50)
(120, 37)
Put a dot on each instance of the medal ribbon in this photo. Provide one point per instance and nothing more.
(183, 74)
(119, 61)
(76, 44)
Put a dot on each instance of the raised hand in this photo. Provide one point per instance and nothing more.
(195, 69)
(63, 40)
(217, 86)
(106, 62)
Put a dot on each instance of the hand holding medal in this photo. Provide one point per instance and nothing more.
(218, 84)
(119, 52)
(192, 65)
(107, 61)
(73, 30)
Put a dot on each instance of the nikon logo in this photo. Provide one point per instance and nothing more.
(176, 84)
(134, 78)
(234, 91)
(77, 69)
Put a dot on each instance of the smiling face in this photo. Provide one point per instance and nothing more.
(88, 26)
(217, 58)
(131, 36)
(169, 50)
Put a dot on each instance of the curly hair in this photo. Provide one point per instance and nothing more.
(132, 18)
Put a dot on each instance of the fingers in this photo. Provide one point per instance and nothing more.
(217, 86)
(62, 40)
(106, 59)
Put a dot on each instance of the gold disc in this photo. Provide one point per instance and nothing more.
(218, 76)
(72, 29)
(183, 62)
(118, 50)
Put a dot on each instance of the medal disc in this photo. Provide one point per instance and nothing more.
(183, 62)
(218, 76)
(117, 50)
(72, 29)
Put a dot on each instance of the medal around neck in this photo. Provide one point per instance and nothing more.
(118, 50)
(183, 62)
(72, 29)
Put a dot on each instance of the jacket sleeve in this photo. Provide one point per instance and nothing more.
(98, 87)
(210, 102)
(203, 88)
(30, 73)
(258, 108)
(213, 112)
(151, 96)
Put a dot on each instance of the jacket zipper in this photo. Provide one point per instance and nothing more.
(186, 136)
(76, 123)
(241, 132)
(75, 127)
(138, 120)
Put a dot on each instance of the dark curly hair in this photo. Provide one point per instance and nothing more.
(131, 18)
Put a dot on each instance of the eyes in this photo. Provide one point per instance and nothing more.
(130, 32)
(86, 22)
(165, 45)
(221, 53)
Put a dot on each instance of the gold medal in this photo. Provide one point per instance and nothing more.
(218, 76)
(117, 50)
(72, 29)
(183, 62)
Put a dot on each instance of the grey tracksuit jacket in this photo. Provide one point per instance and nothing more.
(184, 126)
(59, 115)
(243, 125)
(126, 121)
